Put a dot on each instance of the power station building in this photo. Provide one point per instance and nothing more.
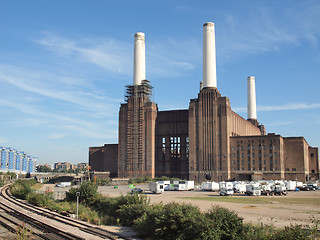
(208, 139)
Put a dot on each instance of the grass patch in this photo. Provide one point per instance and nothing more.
(259, 200)
(36, 186)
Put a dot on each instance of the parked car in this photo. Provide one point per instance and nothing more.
(137, 191)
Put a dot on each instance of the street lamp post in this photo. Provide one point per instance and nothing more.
(78, 195)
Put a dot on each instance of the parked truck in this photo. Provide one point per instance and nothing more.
(239, 187)
(291, 185)
(226, 189)
(253, 190)
(210, 186)
(266, 188)
(156, 187)
(279, 189)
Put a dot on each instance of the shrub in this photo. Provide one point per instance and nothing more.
(87, 191)
(256, 232)
(227, 222)
(294, 232)
(175, 221)
(41, 200)
(120, 210)
(22, 188)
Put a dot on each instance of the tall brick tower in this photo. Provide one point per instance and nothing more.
(137, 121)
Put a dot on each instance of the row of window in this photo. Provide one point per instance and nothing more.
(253, 155)
(258, 169)
(259, 141)
(251, 147)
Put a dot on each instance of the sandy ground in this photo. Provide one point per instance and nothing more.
(277, 214)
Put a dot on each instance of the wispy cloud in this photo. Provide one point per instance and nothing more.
(279, 124)
(262, 30)
(95, 129)
(48, 85)
(114, 56)
(164, 57)
(285, 107)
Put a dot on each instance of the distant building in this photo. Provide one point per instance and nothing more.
(63, 166)
(82, 166)
(15, 161)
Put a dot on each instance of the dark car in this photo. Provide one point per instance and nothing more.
(305, 188)
(136, 190)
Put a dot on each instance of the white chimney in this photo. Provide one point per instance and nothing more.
(209, 56)
(251, 100)
(139, 64)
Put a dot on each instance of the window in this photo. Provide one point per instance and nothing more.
(175, 147)
(187, 147)
(233, 148)
(164, 145)
(253, 155)
(312, 154)
(287, 169)
(294, 169)
(252, 147)
(241, 147)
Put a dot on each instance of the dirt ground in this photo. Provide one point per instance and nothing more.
(277, 214)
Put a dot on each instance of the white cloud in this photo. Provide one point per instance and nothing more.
(165, 57)
(263, 30)
(114, 56)
(284, 107)
(45, 85)
(278, 124)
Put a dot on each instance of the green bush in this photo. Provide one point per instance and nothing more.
(41, 200)
(250, 231)
(121, 210)
(22, 188)
(294, 232)
(175, 221)
(87, 190)
(227, 222)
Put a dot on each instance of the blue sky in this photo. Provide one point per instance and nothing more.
(64, 66)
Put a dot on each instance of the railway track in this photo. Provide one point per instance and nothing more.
(45, 224)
